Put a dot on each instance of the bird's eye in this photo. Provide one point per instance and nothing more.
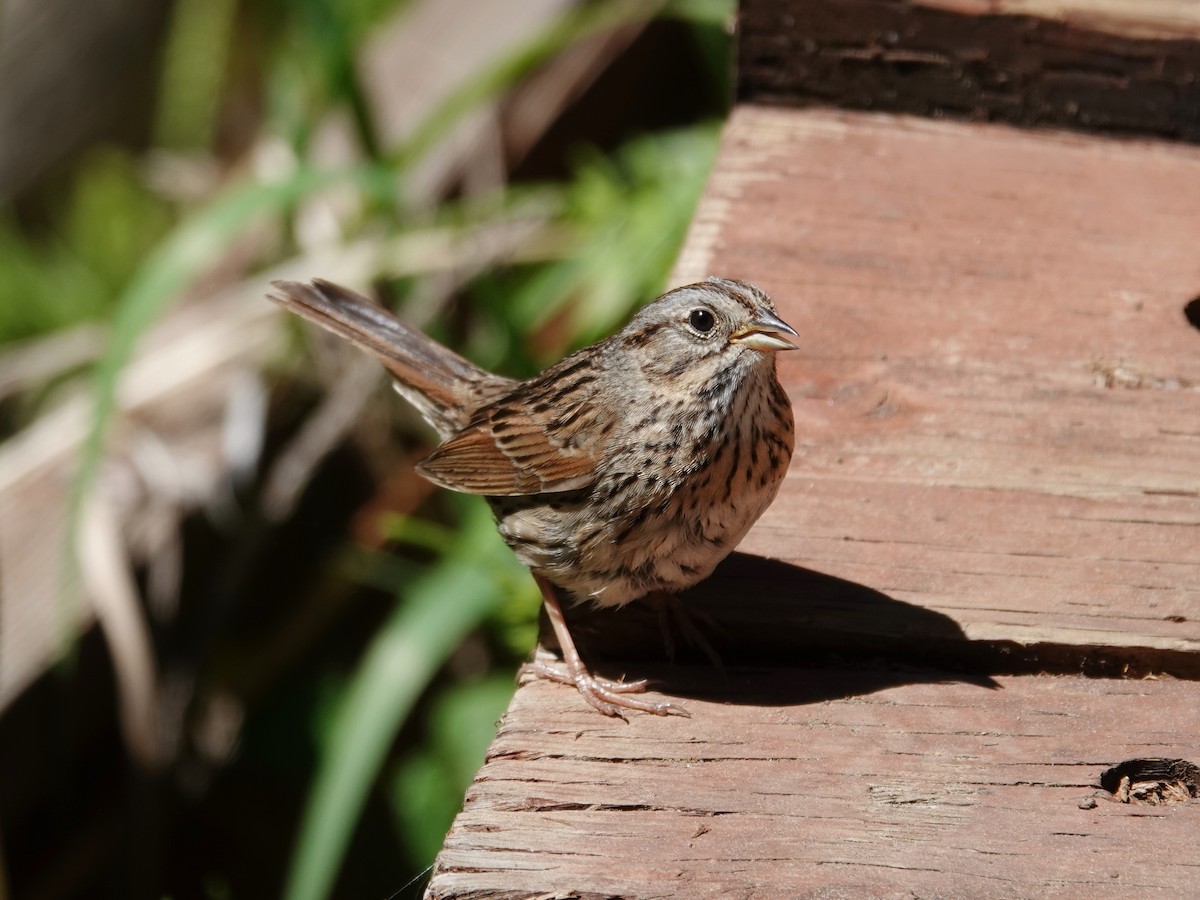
(702, 320)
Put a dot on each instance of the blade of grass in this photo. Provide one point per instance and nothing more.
(196, 244)
(434, 614)
(425, 787)
(575, 24)
(631, 213)
(195, 61)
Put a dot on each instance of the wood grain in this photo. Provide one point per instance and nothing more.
(830, 783)
(998, 469)
(998, 395)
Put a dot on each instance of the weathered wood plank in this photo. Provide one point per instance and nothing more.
(1121, 65)
(830, 783)
(998, 395)
(998, 465)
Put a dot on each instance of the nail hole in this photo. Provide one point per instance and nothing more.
(1191, 312)
(1152, 781)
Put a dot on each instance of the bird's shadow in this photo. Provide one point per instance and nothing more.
(786, 635)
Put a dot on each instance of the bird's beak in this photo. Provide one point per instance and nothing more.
(767, 332)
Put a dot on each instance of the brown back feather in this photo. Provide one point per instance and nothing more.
(547, 435)
(501, 437)
(506, 455)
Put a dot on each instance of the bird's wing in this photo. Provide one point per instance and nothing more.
(548, 435)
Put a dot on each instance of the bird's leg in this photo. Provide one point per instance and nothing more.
(609, 697)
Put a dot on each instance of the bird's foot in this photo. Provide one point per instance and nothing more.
(609, 697)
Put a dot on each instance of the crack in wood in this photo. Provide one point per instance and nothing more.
(535, 805)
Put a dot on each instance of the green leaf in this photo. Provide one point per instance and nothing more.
(463, 722)
(192, 247)
(113, 220)
(195, 60)
(434, 614)
(632, 213)
(424, 801)
(575, 24)
(427, 786)
(44, 287)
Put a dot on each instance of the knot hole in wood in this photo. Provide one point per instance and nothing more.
(1191, 312)
(1152, 781)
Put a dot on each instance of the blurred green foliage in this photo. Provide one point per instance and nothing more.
(117, 248)
(425, 785)
(195, 62)
(471, 577)
(634, 208)
(104, 227)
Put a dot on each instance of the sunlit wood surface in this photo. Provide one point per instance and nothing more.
(979, 587)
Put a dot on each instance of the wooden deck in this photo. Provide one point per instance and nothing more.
(979, 587)
(831, 782)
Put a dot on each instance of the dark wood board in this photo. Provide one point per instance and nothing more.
(1117, 65)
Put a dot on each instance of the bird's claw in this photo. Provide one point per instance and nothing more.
(606, 696)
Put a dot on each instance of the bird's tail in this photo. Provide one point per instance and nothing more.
(444, 387)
